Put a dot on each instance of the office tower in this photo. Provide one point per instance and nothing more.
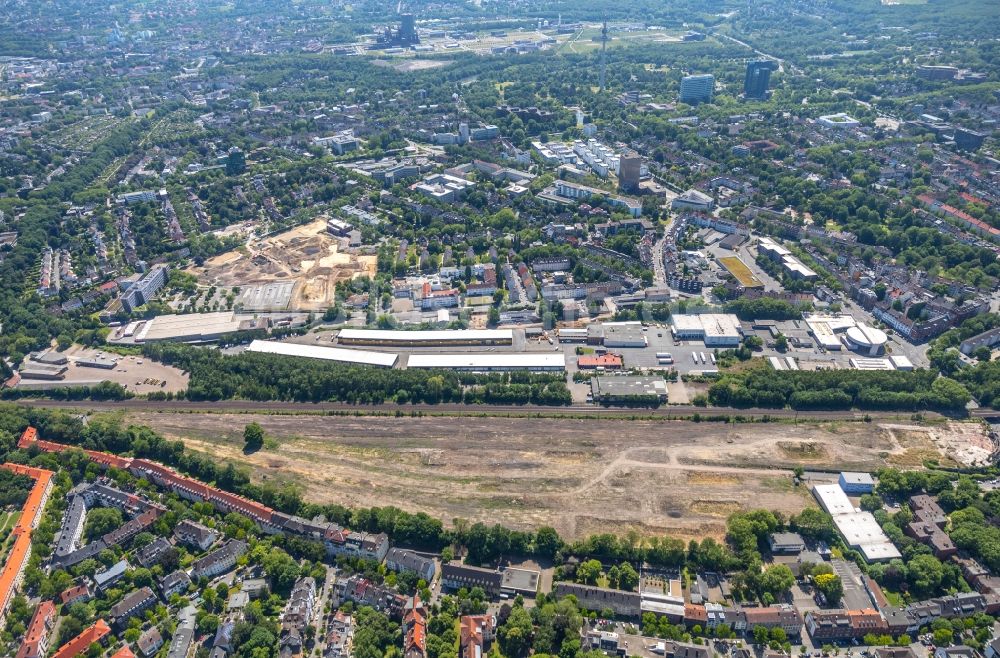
(697, 88)
(629, 167)
(757, 79)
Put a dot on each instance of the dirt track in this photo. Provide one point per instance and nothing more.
(579, 475)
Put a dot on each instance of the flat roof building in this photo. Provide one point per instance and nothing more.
(860, 529)
(520, 581)
(715, 329)
(191, 327)
(337, 354)
(473, 362)
(430, 338)
(616, 388)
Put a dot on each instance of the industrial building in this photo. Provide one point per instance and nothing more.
(430, 338)
(623, 334)
(491, 362)
(336, 354)
(830, 330)
(856, 483)
(192, 327)
(618, 388)
(859, 529)
(715, 329)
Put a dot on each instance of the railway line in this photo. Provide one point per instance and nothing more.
(333, 408)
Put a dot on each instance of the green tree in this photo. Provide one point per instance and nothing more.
(253, 437)
(628, 578)
(831, 587)
(101, 521)
(515, 635)
(588, 572)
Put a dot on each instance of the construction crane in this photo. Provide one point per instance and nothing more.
(604, 48)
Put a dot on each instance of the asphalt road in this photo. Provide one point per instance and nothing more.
(670, 411)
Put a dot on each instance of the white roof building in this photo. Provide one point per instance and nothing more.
(860, 529)
(338, 354)
(427, 337)
(716, 329)
(492, 362)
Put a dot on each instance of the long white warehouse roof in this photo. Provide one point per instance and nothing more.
(427, 335)
(339, 354)
(859, 529)
(493, 361)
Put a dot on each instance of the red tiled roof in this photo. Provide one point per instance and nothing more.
(168, 476)
(30, 514)
(124, 652)
(81, 642)
(600, 361)
(74, 592)
(38, 629)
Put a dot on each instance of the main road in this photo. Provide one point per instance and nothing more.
(281, 407)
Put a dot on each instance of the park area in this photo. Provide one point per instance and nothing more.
(581, 476)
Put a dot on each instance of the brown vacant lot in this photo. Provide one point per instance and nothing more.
(580, 476)
(307, 255)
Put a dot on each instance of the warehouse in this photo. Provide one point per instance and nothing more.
(570, 335)
(541, 362)
(352, 357)
(860, 529)
(192, 327)
(102, 362)
(623, 334)
(617, 388)
(426, 338)
(715, 329)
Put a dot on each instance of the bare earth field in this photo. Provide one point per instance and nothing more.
(307, 255)
(580, 476)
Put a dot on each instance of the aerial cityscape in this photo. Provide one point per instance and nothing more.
(500, 329)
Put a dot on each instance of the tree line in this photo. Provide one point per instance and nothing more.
(913, 390)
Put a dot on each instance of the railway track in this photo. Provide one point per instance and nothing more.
(333, 408)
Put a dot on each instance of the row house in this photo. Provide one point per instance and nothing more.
(844, 624)
(400, 560)
(364, 592)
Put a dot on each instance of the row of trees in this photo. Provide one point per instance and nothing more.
(839, 389)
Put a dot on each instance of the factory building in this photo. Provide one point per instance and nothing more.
(442, 338)
(715, 329)
(472, 362)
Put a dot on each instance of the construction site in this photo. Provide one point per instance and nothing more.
(296, 270)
